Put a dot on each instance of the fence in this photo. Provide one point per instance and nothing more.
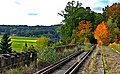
(13, 60)
(61, 48)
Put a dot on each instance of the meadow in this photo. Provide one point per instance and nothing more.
(18, 42)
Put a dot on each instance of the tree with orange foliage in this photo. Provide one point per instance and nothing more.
(86, 40)
(102, 34)
(84, 29)
(84, 26)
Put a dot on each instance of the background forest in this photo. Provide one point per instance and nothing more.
(30, 31)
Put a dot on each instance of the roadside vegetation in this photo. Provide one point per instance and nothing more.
(47, 56)
(115, 46)
(21, 70)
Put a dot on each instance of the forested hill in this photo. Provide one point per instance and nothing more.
(30, 31)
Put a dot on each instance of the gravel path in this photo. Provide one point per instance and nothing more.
(99, 67)
(95, 65)
(111, 61)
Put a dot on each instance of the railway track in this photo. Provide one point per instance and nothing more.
(80, 65)
(67, 65)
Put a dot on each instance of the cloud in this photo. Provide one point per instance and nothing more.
(32, 14)
(97, 8)
(99, 4)
(43, 12)
(113, 1)
(17, 2)
(104, 1)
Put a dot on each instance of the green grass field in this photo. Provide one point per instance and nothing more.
(18, 42)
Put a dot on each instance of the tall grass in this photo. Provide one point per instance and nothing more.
(21, 70)
(47, 55)
(66, 52)
(87, 46)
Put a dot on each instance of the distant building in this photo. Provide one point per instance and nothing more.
(55, 40)
(14, 34)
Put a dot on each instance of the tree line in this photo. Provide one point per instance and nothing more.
(82, 24)
(30, 31)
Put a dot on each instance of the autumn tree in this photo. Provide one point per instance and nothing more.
(85, 26)
(114, 12)
(102, 34)
(84, 30)
(113, 20)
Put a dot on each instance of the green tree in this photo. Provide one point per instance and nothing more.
(98, 19)
(5, 44)
(112, 27)
(105, 13)
(73, 13)
(71, 19)
(42, 42)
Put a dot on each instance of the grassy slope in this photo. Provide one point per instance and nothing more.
(115, 46)
(18, 42)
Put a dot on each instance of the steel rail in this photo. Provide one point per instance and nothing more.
(52, 67)
(76, 65)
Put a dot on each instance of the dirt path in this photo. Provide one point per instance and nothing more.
(104, 61)
(111, 60)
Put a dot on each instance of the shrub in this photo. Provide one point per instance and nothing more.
(57, 44)
(115, 46)
(48, 55)
(42, 42)
(66, 52)
(87, 46)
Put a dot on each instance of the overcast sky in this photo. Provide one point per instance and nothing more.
(41, 12)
